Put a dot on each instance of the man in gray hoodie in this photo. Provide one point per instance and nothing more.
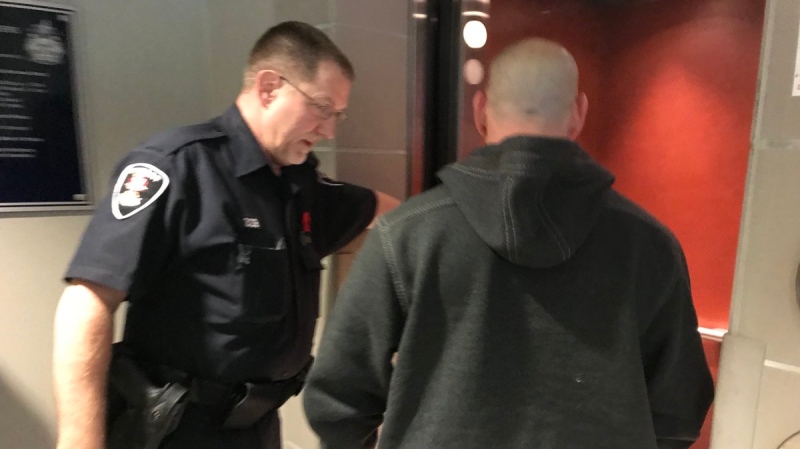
(530, 304)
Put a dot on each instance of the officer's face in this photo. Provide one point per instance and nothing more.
(307, 112)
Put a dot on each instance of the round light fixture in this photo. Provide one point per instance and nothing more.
(473, 72)
(475, 34)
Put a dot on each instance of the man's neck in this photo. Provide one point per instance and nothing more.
(248, 107)
(503, 130)
(274, 166)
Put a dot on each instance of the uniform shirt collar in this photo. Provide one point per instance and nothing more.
(246, 152)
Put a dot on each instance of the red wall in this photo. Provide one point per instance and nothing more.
(678, 134)
(671, 87)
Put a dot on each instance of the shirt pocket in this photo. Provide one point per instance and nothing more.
(266, 282)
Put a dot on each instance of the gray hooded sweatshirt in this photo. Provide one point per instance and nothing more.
(530, 306)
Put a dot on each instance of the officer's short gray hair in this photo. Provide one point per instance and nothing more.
(295, 49)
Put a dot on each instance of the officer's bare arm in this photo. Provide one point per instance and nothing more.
(82, 349)
(384, 204)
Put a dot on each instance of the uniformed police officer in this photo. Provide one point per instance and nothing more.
(213, 233)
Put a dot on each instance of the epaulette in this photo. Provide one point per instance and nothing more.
(176, 138)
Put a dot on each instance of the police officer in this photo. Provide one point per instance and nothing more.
(213, 233)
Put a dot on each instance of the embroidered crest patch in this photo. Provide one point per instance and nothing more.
(137, 187)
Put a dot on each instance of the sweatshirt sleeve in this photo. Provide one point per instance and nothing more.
(346, 391)
(679, 382)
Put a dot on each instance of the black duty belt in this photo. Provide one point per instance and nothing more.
(229, 406)
(239, 405)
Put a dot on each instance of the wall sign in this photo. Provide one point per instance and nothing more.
(41, 165)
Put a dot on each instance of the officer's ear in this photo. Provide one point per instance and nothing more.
(266, 83)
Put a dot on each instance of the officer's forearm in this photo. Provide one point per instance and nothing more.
(81, 353)
(383, 203)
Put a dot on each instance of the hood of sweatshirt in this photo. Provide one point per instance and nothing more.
(533, 200)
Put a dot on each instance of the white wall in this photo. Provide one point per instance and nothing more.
(33, 254)
(759, 374)
(231, 33)
(143, 66)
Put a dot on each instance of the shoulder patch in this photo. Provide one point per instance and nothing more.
(137, 187)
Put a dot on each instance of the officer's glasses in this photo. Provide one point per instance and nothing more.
(323, 111)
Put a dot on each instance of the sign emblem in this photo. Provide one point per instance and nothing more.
(251, 223)
(137, 187)
(44, 45)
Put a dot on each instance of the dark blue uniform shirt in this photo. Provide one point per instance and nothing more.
(220, 257)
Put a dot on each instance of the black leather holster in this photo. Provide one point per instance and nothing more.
(139, 413)
(147, 401)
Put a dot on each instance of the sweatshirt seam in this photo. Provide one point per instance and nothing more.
(551, 226)
(525, 168)
(508, 222)
(492, 174)
(391, 259)
(476, 172)
(384, 226)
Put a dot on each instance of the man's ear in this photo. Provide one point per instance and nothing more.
(578, 116)
(479, 112)
(266, 83)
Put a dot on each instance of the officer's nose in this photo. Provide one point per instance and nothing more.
(327, 128)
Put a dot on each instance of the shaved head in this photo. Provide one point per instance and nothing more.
(535, 79)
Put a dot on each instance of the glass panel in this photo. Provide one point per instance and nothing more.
(671, 88)
(473, 68)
